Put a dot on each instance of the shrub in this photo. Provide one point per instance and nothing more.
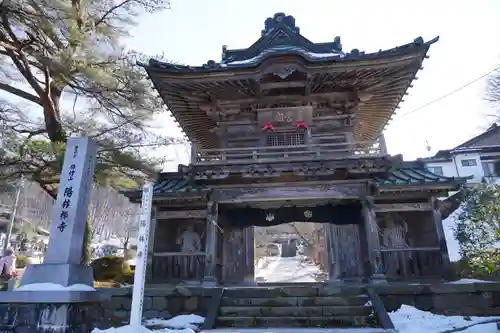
(128, 277)
(87, 242)
(111, 268)
(22, 261)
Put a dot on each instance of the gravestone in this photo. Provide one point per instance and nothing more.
(62, 262)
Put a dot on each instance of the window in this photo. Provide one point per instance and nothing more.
(285, 139)
(468, 163)
(437, 170)
(488, 169)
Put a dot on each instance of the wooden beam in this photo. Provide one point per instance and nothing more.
(333, 96)
(181, 214)
(285, 84)
(243, 194)
(179, 254)
(402, 207)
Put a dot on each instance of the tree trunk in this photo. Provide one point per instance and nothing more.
(87, 243)
(52, 115)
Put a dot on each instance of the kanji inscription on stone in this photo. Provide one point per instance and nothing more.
(71, 207)
(71, 173)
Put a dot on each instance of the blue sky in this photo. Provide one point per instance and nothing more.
(193, 31)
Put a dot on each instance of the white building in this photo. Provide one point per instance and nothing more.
(478, 158)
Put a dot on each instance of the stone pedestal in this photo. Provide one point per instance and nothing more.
(51, 311)
(209, 281)
(62, 274)
(378, 279)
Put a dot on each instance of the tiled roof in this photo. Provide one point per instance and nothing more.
(173, 183)
(168, 183)
(281, 36)
(384, 76)
(418, 176)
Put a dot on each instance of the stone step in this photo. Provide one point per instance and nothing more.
(296, 301)
(293, 291)
(283, 322)
(305, 311)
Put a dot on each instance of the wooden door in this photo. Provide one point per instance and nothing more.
(249, 255)
(234, 256)
(345, 250)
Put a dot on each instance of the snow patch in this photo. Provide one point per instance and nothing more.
(141, 329)
(179, 324)
(411, 320)
(448, 226)
(54, 287)
(288, 49)
(467, 281)
(190, 321)
(281, 269)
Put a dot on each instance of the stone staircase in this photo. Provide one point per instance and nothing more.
(309, 306)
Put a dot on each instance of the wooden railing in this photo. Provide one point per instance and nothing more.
(174, 267)
(328, 151)
(413, 263)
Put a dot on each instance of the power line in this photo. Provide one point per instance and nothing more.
(448, 94)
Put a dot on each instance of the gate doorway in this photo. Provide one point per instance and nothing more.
(289, 253)
(313, 247)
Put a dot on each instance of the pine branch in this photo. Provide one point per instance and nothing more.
(20, 93)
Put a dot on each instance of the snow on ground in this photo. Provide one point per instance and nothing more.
(54, 287)
(466, 281)
(190, 321)
(179, 324)
(411, 320)
(278, 269)
(448, 225)
(406, 320)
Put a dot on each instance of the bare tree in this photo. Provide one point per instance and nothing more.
(493, 90)
(128, 221)
(111, 211)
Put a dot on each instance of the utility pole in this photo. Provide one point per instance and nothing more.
(20, 185)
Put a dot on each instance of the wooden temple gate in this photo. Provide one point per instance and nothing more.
(395, 241)
(288, 120)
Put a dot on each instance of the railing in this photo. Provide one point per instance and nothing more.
(172, 267)
(327, 151)
(413, 263)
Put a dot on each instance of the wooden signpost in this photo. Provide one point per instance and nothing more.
(142, 257)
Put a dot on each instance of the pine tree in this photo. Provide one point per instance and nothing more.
(55, 51)
(478, 230)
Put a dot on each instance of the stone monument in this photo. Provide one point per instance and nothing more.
(62, 262)
(43, 303)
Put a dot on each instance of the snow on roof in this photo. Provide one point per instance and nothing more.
(279, 49)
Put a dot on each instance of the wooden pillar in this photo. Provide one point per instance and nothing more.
(248, 235)
(443, 247)
(382, 145)
(373, 241)
(332, 253)
(211, 243)
(152, 228)
(349, 138)
(194, 153)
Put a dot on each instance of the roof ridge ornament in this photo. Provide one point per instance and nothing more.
(279, 19)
